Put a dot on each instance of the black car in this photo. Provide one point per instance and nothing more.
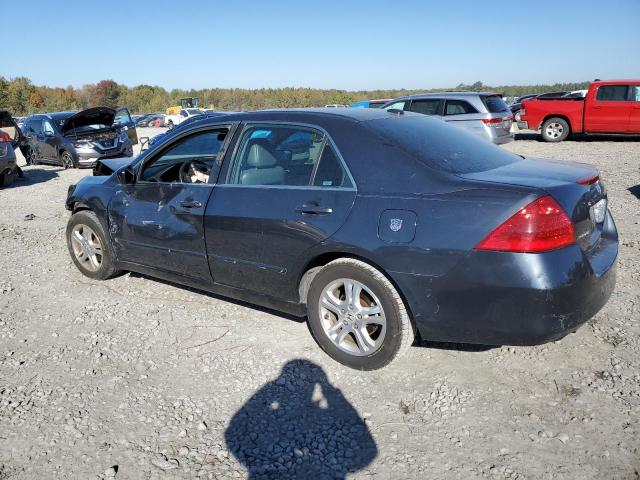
(376, 225)
(78, 139)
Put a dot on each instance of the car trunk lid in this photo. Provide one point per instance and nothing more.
(575, 186)
(10, 127)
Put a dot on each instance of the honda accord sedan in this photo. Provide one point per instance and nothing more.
(377, 226)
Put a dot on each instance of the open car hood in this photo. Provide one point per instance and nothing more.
(90, 116)
(6, 122)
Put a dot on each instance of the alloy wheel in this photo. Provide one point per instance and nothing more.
(352, 317)
(554, 130)
(86, 247)
(67, 160)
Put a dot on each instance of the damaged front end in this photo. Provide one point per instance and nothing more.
(94, 136)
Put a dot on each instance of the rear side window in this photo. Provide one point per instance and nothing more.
(612, 93)
(426, 107)
(459, 107)
(440, 145)
(636, 93)
(330, 172)
(495, 104)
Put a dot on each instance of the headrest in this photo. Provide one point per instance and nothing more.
(260, 157)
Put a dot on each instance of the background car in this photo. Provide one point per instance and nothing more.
(378, 103)
(74, 139)
(485, 115)
(10, 138)
(376, 226)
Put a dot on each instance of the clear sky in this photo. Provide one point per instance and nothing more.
(340, 44)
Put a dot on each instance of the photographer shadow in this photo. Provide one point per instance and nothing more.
(299, 426)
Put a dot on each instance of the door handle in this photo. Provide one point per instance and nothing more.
(313, 209)
(190, 204)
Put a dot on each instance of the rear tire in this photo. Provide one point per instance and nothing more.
(89, 247)
(7, 179)
(365, 329)
(555, 130)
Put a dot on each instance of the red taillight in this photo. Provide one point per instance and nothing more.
(491, 121)
(4, 137)
(539, 227)
(589, 180)
(495, 122)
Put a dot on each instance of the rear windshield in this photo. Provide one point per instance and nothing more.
(495, 104)
(440, 146)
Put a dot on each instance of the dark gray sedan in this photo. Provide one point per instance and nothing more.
(375, 225)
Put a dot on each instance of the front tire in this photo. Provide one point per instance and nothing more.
(357, 316)
(88, 246)
(66, 159)
(555, 130)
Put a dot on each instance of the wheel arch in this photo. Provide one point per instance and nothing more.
(556, 115)
(316, 263)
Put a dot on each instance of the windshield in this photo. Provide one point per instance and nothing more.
(439, 145)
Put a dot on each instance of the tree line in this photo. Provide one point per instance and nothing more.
(20, 97)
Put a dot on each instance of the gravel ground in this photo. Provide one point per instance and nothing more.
(136, 378)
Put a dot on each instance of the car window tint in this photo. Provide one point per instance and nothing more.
(459, 107)
(439, 145)
(426, 107)
(331, 172)
(396, 106)
(47, 128)
(495, 104)
(202, 147)
(277, 155)
(612, 93)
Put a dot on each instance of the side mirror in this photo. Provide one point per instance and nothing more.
(126, 176)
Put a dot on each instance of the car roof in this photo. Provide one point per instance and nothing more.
(447, 94)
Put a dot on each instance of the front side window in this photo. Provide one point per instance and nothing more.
(459, 107)
(47, 128)
(287, 155)
(193, 159)
(396, 106)
(612, 93)
(426, 107)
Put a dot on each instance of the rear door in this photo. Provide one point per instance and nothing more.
(286, 190)
(461, 113)
(634, 118)
(609, 110)
(125, 123)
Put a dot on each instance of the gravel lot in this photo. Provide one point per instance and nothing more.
(136, 378)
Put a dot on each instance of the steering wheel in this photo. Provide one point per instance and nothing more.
(184, 169)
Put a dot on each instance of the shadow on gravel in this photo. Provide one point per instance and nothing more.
(299, 426)
(33, 176)
(635, 190)
(576, 137)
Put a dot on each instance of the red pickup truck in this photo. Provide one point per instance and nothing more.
(608, 107)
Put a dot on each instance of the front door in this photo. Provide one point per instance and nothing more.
(286, 191)
(49, 142)
(158, 220)
(634, 119)
(125, 123)
(609, 111)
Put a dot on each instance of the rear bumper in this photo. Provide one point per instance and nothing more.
(498, 298)
(523, 125)
(499, 140)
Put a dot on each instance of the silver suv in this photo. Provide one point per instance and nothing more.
(483, 114)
